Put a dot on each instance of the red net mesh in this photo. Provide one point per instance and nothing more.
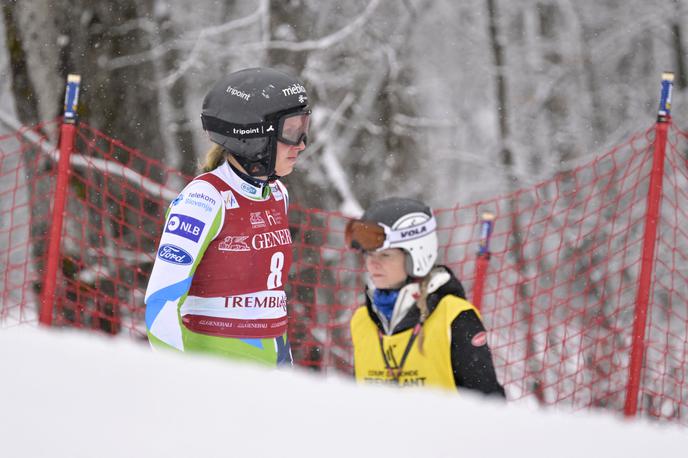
(559, 295)
(27, 177)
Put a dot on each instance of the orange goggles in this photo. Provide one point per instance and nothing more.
(364, 235)
(372, 236)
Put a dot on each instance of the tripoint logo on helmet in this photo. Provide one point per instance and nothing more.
(241, 94)
(294, 89)
(253, 130)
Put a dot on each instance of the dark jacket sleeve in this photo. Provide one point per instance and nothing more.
(472, 365)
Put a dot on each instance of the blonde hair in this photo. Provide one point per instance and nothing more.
(422, 304)
(215, 156)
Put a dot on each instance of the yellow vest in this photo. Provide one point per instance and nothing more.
(431, 368)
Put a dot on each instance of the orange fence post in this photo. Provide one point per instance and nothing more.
(67, 139)
(654, 198)
(483, 259)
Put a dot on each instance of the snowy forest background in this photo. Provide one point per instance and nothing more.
(442, 100)
(451, 102)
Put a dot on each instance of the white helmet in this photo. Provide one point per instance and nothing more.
(401, 223)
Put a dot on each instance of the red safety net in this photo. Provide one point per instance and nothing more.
(559, 296)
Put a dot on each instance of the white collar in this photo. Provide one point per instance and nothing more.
(244, 188)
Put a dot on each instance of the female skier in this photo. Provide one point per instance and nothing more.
(217, 285)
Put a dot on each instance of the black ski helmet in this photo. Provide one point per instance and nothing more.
(409, 225)
(243, 113)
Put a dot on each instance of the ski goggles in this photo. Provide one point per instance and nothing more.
(364, 235)
(372, 236)
(293, 128)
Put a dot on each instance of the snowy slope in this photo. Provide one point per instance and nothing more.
(68, 394)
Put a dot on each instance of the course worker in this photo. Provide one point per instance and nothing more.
(416, 327)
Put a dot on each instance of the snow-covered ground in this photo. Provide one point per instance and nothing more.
(73, 394)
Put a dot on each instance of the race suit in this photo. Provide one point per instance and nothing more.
(217, 285)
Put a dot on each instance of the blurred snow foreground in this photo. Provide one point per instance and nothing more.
(70, 394)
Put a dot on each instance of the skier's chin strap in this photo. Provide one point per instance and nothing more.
(264, 185)
(252, 169)
(257, 182)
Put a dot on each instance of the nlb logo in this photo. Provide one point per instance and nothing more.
(185, 226)
(174, 255)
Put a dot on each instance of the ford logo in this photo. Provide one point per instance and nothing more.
(174, 255)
